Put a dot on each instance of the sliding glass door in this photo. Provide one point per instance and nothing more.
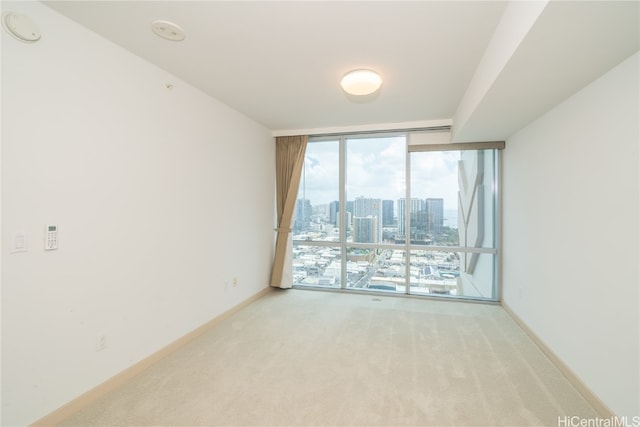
(375, 213)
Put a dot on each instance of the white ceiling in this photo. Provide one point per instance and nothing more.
(280, 62)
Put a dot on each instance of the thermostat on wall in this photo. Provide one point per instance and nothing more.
(21, 27)
(50, 237)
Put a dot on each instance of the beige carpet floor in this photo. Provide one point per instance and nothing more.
(310, 358)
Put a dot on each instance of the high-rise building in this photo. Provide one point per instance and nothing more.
(415, 206)
(387, 213)
(435, 215)
(365, 229)
(348, 221)
(302, 215)
(364, 207)
(320, 212)
(334, 210)
(349, 209)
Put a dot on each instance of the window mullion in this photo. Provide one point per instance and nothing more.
(342, 197)
(407, 216)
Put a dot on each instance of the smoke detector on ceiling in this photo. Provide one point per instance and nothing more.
(20, 27)
(167, 30)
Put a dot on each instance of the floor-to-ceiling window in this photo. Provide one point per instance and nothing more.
(374, 181)
(317, 250)
(384, 213)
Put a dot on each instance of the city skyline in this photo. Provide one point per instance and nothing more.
(330, 212)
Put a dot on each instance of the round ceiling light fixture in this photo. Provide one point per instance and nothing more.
(168, 30)
(361, 82)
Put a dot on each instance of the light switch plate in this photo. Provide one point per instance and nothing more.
(19, 242)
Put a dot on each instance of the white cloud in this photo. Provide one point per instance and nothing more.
(375, 168)
(320, 176)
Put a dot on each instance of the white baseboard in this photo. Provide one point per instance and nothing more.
(112, 383)
(600, 407)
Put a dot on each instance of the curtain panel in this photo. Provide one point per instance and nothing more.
(290, 152)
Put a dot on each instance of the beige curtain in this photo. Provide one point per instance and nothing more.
(289, 161)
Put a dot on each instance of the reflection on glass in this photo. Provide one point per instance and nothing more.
(477, 275)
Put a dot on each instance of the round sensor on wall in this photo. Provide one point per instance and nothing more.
(20, 27)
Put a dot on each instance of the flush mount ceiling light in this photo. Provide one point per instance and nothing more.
(361, 82)
(167, 30)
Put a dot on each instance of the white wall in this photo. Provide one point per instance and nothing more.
(517, 20)
(570, 230)
(160, 197)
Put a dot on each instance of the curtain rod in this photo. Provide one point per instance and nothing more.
(457, 146)
(385, 131)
